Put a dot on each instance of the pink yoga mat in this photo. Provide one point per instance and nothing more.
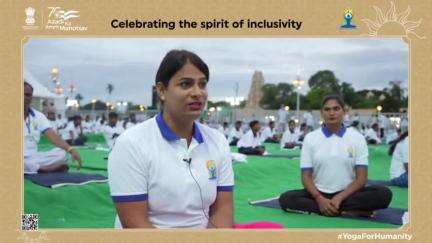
(259, 225)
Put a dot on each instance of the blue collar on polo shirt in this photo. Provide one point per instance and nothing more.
(31, 112)
(328, 134)
(169, 135)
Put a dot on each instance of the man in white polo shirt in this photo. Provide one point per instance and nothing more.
(75, 132)
(150, 162)
(290, 138)
(269, 135)
(235, 134)
(112, 129)
(36, 123)
(250, 142)
(334, 162)
(372, 134)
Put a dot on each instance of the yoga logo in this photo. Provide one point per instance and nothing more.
(59, 19)
(348, 16)
(211, 167)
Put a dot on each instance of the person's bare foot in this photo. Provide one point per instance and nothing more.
(358, 213)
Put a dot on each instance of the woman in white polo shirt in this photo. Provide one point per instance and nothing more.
(334, 162)
(170, 171)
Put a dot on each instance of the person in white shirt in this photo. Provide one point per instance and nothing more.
(35, 123)
(372, 119)
(399, 164)
(75, 132)
(51, 116)
(61, 125)
(87, 125)
(383, 124)
(371, 135)
(269, 135)
(347, 118)
(334, 162)
(170, 171)
(112, 129)
(309, 119)
(125, 122)
(290, 138)
(235, 134)
(393, 136)
(356, 117)
(404, 123)
(282, 119)
(304, 130)
(224, 129)
(128, 123)
(356, 125)
(250, 142)
(100, 123)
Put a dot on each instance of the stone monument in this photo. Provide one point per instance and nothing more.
(255, 92)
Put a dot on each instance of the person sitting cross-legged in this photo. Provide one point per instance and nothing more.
(35, 124)
(250, 142)
(290, 138)
(334, 163)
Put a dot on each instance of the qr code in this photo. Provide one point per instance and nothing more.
(29, 222)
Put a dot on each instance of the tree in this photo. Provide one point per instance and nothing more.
(269, 98)
(322, 83)
(325, 80)
(99, 105)
(394, 99)
(314, 98)
(349, 95)
(274, 95)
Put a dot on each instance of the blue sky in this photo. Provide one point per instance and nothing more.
(130, 64)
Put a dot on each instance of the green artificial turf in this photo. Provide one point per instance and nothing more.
(90, 206)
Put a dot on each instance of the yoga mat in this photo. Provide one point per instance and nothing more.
(90, 206)
(276, 150)
(388, 215)
(92, 159)
(288, 156)
(86, 206)
(378, 183)
(59, 179)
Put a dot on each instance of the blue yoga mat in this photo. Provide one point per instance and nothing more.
(378, 183)
(58, 179)
(280, 156)
(388, 215)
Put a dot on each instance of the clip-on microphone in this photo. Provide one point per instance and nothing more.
(187, 160)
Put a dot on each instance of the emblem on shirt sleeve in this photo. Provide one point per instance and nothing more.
(211, 168)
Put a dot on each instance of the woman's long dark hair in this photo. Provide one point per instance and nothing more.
(399, 139)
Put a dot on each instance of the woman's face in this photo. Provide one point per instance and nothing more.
(186, 94)
(332, 113)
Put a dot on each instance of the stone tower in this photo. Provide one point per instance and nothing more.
(255, 92)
